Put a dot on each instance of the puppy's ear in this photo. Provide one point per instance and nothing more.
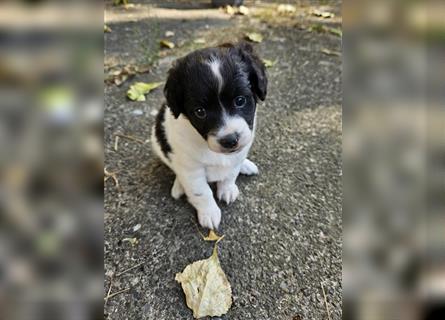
(173, 90)
(256, 69)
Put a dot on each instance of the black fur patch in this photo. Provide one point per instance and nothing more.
(161, 137)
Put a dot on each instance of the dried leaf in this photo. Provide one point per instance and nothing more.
(167, 44)
(322, 28)
(138, 90)
(199, 41)
(207, 290)
(335, 31)
(107, 28)
(119, 76)
(254, 37)
(286, 8)
(243, 10)
(169, 34)
(230, 10)
(323, 14)
(269, 63)
(212, 236)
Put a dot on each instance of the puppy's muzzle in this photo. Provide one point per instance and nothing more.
(229, 141)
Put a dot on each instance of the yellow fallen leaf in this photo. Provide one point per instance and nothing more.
(286, 8)
(335, 31)
(243, 10)
(138, 90)
(199, 41)
(212, 236)
(107, 28)
(269, 63)
(167, 44)
(230, 10)
(322, 28)
(254, 37)
(323, 14)
(206, 288)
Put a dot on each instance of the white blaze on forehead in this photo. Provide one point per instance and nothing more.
(215, 64)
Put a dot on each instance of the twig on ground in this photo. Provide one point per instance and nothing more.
(129, 269)
(130, 138)
(116, 143)
(325, 301)
(112, 175)
(109, 291)
(115, 294)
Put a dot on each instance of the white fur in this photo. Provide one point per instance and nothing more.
(195, 165)
(214, 66)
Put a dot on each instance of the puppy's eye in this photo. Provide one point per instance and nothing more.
(200, 113)
(240, 101)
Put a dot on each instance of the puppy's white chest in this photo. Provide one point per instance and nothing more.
(218, 173)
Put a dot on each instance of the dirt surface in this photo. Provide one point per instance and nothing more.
(283, 234)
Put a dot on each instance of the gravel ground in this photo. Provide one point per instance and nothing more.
(283, 234)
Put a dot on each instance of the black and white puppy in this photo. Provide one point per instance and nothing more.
(206, 129)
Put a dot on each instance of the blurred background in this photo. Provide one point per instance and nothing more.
(393, 148)
(51, 162)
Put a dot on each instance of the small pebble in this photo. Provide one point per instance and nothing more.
(137, 112)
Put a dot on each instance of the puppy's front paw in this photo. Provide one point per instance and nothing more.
(210, 217)
(248, 168)
(227, 192)
(177, 190)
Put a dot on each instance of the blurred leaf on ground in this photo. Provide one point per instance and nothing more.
(169, 34)
(206, 288)
(286, 8)
(269, 63)
(199, 41)
(324, 29)
(167, 44)
(138, 90)
(106, 28)
(243, 10)
(230, 10)
(322, 14)
(335, 31)
(254, 37)
(117, 76)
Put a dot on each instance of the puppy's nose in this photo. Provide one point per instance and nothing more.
(229, 141)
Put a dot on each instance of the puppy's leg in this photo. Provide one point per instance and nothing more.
(200, 196)
(177, 190)
(248, 168)
(227, 190)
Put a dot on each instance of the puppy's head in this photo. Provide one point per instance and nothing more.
(217, 89)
